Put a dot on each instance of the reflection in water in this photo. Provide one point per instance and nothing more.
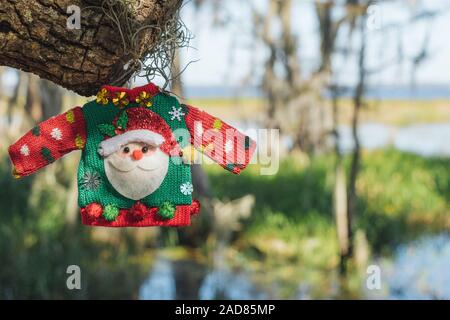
(187, 279)
(161, 283)
(419, 270)
(228, 285)
(224, 283)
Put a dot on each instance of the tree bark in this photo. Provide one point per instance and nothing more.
(34, 38)
(356, 155)
(340, 188)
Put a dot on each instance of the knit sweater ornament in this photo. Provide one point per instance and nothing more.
(136, 155)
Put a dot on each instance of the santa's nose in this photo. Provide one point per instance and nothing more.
(137, 155)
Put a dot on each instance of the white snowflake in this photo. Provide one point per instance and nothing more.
(186, 188)
(24, 150)
(91, 180)
(176, 113)
(228, 146)
(56, 134)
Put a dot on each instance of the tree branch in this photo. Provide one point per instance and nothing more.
(34, 38)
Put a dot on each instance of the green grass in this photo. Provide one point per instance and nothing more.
(403, 196)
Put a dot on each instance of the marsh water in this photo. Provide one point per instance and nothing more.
(423, 139)
(416, 270)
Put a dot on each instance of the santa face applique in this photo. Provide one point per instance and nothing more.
(137, 169)
(134, 163)
(131, 172)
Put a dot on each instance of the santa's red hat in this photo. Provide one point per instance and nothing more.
(137, 125)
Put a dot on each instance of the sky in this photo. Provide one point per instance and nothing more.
(224, 55)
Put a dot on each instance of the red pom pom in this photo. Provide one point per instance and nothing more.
(94, 210)
(138, 211)
(195, 207)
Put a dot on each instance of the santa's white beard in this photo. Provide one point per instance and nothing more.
(136, 179)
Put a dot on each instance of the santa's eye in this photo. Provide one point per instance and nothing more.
(144, 149)
(126, 150)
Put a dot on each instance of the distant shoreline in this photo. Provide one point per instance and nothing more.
(423, 92)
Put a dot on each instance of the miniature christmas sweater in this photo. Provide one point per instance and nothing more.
(136, 155)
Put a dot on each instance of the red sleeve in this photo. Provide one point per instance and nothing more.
(48, 141)
(218, 140)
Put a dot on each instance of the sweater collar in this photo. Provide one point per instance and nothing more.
(132, 93)
(121, 97)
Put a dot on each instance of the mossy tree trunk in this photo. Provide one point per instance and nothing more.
(34, 37)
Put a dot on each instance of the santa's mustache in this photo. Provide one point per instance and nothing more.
(127, 164)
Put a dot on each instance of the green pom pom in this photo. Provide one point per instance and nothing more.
(111, 212)
(166, 210)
